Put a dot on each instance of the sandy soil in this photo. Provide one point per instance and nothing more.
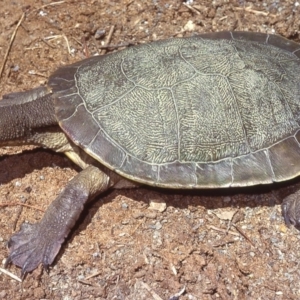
(121, 248)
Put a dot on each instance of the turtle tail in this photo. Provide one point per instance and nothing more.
(23, 113)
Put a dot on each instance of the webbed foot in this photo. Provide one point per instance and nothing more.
(40, 242)
(291, 210)
(31, 246)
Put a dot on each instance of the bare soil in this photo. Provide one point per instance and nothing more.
(217, 244)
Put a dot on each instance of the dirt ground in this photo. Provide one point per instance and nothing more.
(213, 244)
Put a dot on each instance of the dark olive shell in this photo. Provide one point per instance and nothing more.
(212, 110)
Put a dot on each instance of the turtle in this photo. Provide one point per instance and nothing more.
(214, 110)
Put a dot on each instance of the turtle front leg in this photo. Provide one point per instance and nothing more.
(40, 242)
(291, 210)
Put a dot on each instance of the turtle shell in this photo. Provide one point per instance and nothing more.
(212, 110)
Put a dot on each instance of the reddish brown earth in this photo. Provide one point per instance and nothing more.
(121, 248)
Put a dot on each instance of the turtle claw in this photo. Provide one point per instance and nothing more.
(29, 247)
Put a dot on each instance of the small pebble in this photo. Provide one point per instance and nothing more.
(157, 205)
(99, 34)
(124, 206)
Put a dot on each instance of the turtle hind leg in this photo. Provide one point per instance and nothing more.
(291, 210)
(40, 242)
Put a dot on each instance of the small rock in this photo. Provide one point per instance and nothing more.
(99, 33)
(158, 225)
(189, 26)
(283, 228)
(151, 215)
(158, 205)
(124, 206)
(138, 215)
(227, 199)
(3, 295)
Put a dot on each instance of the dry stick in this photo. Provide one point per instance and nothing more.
(191, 8)
(67, 42)
(95, 44)
(79, 43)
(10, 274)
(148, 288)
(10, 44)
(136, 228)
(51, 4)
(48, 44)
(256, 12)
(44, 6)
(18, 214)
(86, 283)
(19, 211)
(223, 230)
(244, 235)
(54, 37)
(22, 204)
(32, 72)
(111, 31)
(93, 275)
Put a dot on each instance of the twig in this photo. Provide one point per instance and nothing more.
(32, 72)
(85, 282)
(191, 8)
(177, 295)
(223, 18)
(10, 274)
(43, 6)
(32, 48)
(256, 12)
(54, 37)
(10, 44)
(93, 275)
(48, 44)
(110, 33)
(244, 235)
(95, 44)
(135, 229)
(223, 230)
(67, 42)
(51, 4)
(148, 288)
(22, 204)
(77, 41)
